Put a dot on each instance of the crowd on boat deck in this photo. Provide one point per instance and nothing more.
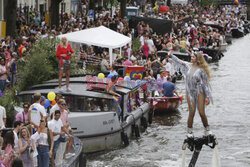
(37, 135)
(191, 29)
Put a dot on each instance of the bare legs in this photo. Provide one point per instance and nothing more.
(60, 78)
(67, 73)
(67, 78)
(201, 109)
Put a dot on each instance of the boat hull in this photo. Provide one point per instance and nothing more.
(110, 128)
(165, 104)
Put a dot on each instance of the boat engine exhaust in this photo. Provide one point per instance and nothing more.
(195, 144)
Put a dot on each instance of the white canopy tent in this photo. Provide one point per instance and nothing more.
(100, 36)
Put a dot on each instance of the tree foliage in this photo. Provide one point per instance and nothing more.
(9, 101)
(40, 64)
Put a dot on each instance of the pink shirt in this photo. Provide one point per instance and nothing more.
(9, 152)
(3, 69)
(64, 117)
(128, 63)
(22, 116)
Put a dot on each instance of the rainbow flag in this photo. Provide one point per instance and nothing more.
(238, 3)
(115, 98)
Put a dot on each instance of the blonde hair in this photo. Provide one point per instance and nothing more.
(28, 133)
(61, 43)
(201, 62)
(60, 101)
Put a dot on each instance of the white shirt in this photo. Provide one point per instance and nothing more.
(35, 113)
(150, 45)
(170, 68)
(2, 116)
(55, 126)
(142, 40)
(15, 141)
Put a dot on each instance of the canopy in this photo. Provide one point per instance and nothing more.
(99, 36)
(160, 26)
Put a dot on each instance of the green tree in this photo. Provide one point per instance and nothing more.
(40, 64)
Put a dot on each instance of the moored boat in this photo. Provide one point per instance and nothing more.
(165, 104)
(94, 114)
(237, 32)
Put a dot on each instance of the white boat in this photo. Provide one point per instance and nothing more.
(93, 115)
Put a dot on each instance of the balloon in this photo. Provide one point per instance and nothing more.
(47, 103)
(110, 76)
(120, 79)
(127, 78)
(101, 75)
(53, 103)
(51, 96)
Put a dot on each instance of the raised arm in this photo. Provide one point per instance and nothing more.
(179, 64)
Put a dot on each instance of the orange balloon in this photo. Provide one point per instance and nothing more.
(53, 103)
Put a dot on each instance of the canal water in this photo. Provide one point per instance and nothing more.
(229, 118)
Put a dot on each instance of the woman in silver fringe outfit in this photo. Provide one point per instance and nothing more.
(198, 89)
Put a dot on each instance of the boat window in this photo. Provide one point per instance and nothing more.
(87, 104)
(134, 100)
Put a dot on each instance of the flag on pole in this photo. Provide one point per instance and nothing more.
(238, 3)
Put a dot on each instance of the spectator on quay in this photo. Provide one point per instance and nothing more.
(63, 54)
(58, 129)
(3, 74)
(17, 126)
(128, 63)
(26, 147)
(12, 65)
(105, 67)
(2, 117)
(45, 144)
(8, 147)
(23, 116)
(36, 111)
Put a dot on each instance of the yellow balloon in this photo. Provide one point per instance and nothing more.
(51, 96)
(101, 75)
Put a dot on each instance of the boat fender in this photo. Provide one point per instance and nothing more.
(137, 131)
(124, 138)
(150, 117)
(144, 122)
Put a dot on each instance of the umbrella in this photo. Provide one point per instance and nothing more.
(164, 9)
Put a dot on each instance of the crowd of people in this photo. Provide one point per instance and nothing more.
(36, 135)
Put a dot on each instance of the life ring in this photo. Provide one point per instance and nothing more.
(144, 122)
(150, 117)
(124, 138)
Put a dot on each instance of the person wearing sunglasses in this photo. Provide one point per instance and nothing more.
(23, 116)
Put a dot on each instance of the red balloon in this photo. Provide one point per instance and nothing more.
(164, 9)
